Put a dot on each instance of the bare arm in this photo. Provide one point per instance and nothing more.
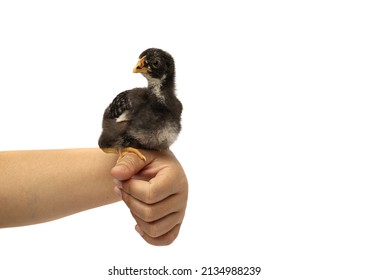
(39, 186)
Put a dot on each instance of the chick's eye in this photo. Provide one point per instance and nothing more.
(156, 63)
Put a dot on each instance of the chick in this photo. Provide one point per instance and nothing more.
(144, 118)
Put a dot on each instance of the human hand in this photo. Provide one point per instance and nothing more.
(155, 191)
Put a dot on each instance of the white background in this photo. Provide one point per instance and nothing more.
(274, 139)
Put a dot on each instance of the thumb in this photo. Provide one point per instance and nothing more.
(130, 165)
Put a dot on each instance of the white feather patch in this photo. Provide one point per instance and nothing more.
(123, 117)
(156, 86)
(168, 134)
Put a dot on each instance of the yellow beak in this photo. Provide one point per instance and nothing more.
(140, 66)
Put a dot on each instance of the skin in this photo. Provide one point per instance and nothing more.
(40, 186)
(156, 195)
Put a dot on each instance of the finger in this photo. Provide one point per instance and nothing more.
(153, 212)
(131, 164)
(165, 239)
(148, 192)
(161, 226)
(156, 189)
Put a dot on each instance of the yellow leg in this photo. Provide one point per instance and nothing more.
(110, 150)
(124, 151)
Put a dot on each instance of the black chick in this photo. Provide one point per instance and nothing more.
(144, 118)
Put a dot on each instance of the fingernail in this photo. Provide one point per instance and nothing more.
(118, 191)
(138, 229)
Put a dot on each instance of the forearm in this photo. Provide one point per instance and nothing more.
(39, 186)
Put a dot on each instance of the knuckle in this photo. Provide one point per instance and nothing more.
(153, 230)
(151, 196)
(165, 239)
(148, 214)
